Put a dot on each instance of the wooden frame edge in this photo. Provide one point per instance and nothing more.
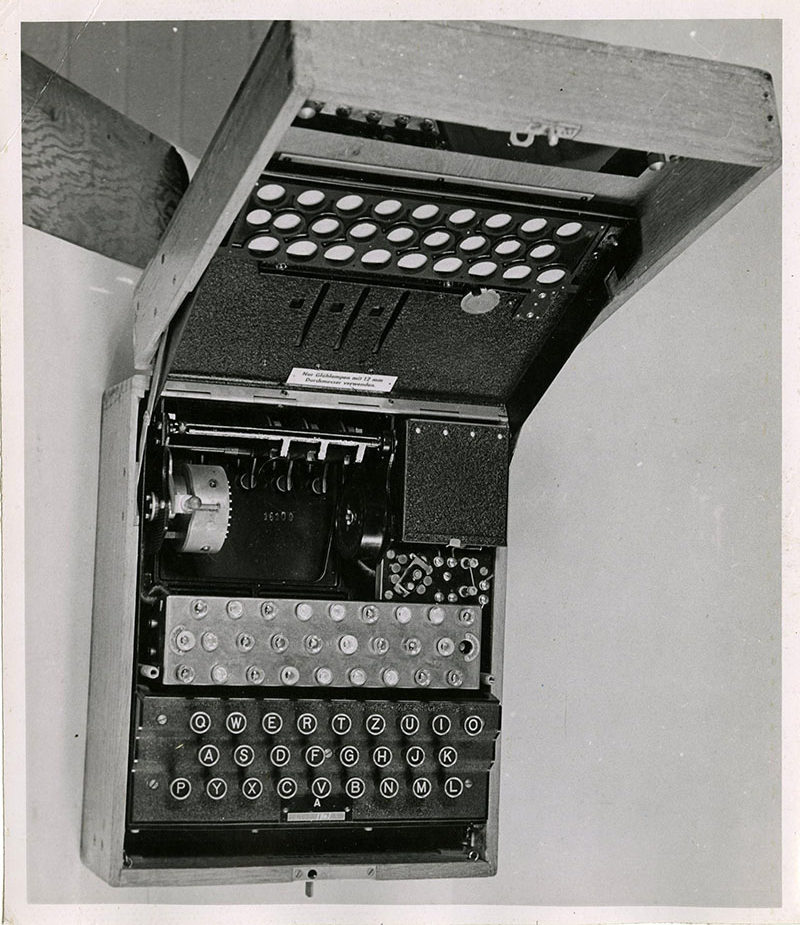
(262, 110)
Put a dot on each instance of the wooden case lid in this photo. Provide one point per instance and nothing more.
(484, 75)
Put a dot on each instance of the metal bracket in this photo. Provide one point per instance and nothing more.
(555, 131)
(332, 872)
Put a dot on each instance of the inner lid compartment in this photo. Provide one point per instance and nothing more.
(450, 294)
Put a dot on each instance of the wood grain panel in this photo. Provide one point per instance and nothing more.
(259, 115)
(89, 174)
(501, 78)
(113, 617)
(172, 876)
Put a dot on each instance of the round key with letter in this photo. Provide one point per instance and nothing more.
(409, 724)
(180, 788)
(235, 722)
(421, 787)
(243, 755)
(321, 787)
(280, 756)
(252, 788)
(314, 756)
(272, 723)
(389, 788)
(216, 788)
(355, 788)
(306, 723)
(341, 724)
(286, 787)
(208, 755)
(200, 722)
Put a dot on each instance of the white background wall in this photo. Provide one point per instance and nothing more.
(641, 741)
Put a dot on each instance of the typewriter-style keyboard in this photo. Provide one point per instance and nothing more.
(294, 760)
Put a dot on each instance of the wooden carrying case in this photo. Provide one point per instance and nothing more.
(386, 371)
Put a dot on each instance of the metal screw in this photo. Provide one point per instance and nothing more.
(358, 676)
(245, 642)
(348, 644)
(455, 678)
(323, 676)
(279, 642)
(379, 645)
(445, 646)
(290, 675)
(185, 674)
(337, 612)
(161, 719)
(436, 615)
(412, 645)
(402, 614)
(369, 614)
(199, 608)
(304, 611)
(152, 783)
(267, 610)
(313, 644)
(390, 677)
(423, 677)
(209, 641)
(212, 483)
(255, 675)
(184, 640)
(466, 617)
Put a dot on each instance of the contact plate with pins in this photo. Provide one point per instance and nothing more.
(287, 642)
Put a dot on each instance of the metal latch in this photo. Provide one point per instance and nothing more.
(332, 872)
(555, 131)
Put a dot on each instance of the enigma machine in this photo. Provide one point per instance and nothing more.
(375, 274)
